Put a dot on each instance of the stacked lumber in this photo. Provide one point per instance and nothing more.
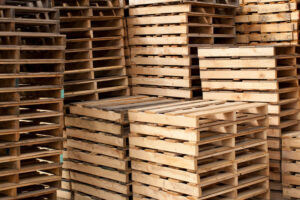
(268, 22)
(200, 150)
(95, 62)
(257, 74)
(97, 147)
(290, 165)
(31, 105)
(164, 36)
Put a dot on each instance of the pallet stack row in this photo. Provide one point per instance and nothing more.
(200, 150)
(95, 62)
(257, 74)
(97, 157)
(31, 101)
(163, 38)
(268, 22)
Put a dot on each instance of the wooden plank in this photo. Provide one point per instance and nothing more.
(238, 63)
(243, 74)
(100, 182)
(165, 30)
(96, 171)
(95, 137)
(241, 96)
(271, 8)
(179, 40)
(147, 20)
(94, 125)
(183, 188)
(236, 52)
(96, 148)
(180, 134)
(165, 171)
(161, 81)
(168, 92)
(156, 192)
(291, 192)
(145, 2)
(278, 17)
(163, 119)
(160, 51)
(177, 147)
(100, 193)
(97, 113)
(163, 71)
(180, 162)
(181, 8)
(240, 85)
(156, 60)
(97, 159)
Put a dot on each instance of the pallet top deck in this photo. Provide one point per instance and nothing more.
(195, 113)
(115, 109)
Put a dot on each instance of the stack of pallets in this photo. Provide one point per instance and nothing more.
(290, 165)
(257, 74)
(268, 22)
(97, 160)
(95, 62)
(164, 36)
(200, 150)
(31, 107)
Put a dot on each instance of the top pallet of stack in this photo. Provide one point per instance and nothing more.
(147, 2)
(115, 109)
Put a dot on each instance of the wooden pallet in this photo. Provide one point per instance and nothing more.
(95, 61)
(268, 23)
(290, 169)
(163, 40)
(97, 146)
(257, 74)
(200, 150)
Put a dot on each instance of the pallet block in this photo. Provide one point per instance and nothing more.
(97, 146)
(95, 61)
(257, 74)
(199, 150)
(163, 39)
(268, 23)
